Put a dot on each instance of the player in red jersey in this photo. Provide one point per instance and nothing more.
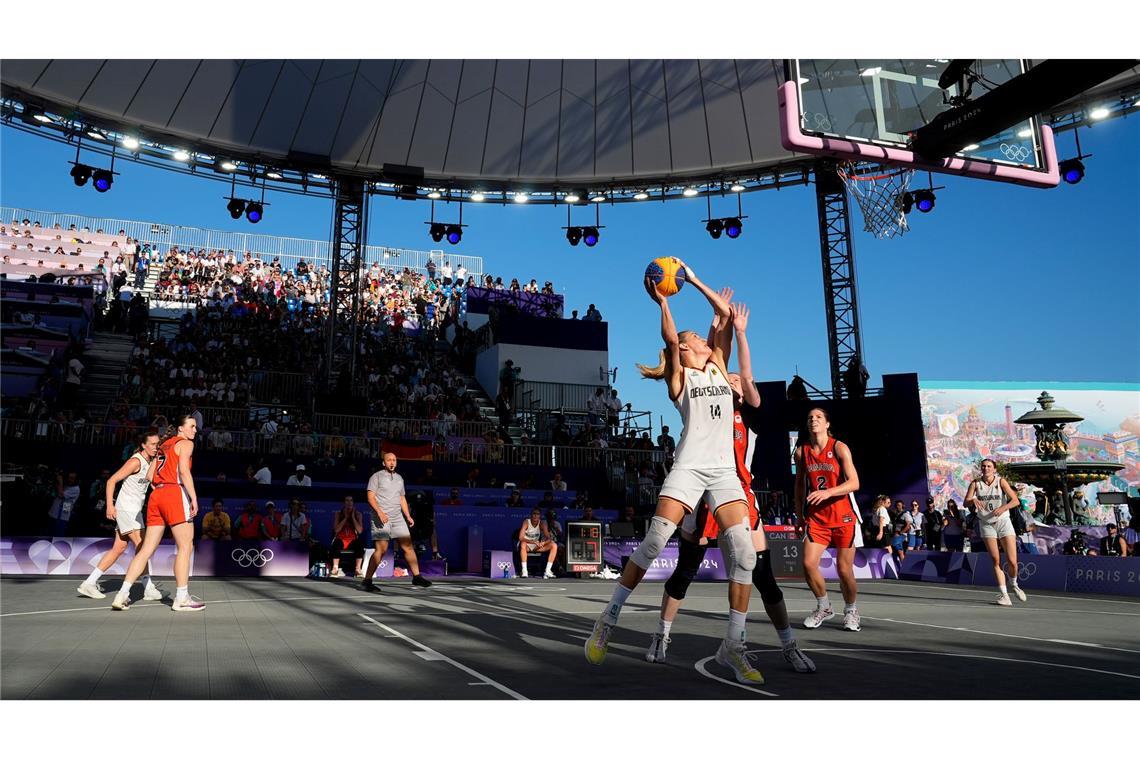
(173, 503)
(825, 480)
(697, 532)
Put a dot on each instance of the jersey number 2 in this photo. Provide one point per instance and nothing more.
(820, 483)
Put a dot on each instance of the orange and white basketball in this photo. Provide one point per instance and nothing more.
(666, 274)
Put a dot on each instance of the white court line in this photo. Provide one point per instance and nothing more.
(430, 654)
(702, 668)
(964, 654)
(1005, 635)
(951, 587)
(107, 607)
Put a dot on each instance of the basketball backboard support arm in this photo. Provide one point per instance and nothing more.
(837, 250)
(795, 138)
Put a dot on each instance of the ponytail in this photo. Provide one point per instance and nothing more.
(653, 373)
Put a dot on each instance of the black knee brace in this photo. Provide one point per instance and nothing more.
(689, 559)
(764, 581)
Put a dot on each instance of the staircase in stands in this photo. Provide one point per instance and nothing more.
(105, 361)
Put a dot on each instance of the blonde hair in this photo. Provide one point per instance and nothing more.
(658, 372)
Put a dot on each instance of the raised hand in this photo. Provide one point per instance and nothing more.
(726, 294)
(651, 289)
(739, 316)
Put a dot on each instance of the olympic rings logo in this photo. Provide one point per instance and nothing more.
(252, 557)
(816, 121)
(504, 565)
(1026, 570)
(1015, 152)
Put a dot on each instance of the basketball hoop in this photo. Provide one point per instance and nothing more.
(879, 189)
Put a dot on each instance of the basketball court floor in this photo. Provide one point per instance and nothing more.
(470, 639)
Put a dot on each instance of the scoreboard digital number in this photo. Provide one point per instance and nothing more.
(786, 551)
(584, 547)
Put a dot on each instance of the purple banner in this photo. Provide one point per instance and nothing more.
(251, 558)
(1104, 575)
(1094, 575)
(72, 556)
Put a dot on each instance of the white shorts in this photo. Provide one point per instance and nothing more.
(715, 487)
(128, 518)
(1001, 527)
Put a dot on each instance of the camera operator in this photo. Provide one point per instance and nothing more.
(1076, 546)
(1113, 544)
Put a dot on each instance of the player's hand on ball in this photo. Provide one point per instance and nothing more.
(651, 289)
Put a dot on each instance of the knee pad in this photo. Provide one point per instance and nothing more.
(740, 556)
(763, 579)
(688, 561)
(660, 530)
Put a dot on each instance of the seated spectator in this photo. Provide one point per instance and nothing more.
(588, 514)
(216, 524)
(515, 499)
(295, 524)
(953, 528)
(557, 484)
(452, 499)
(592, 315)
(263, 476)
(348, 525)
(548, 501)
(248, 525)
(299, 478)
(271, 522)
(1113, 544)
(220, 438)
(534, 536)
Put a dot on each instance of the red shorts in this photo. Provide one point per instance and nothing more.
(841, 537)
(168, 505)
(706, 523)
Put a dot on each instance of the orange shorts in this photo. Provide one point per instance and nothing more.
(841, 537)
(706, 523)
(168, 505)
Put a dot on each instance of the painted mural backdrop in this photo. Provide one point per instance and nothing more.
(965, 422)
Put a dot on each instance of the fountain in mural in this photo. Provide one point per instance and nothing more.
(1054, 472)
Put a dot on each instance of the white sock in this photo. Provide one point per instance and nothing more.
(613, 609)
(548, 566)
(146, 581)
(786, 635)
(182, 593)
(850, 608)
(663, 626)
(823, 602)
(736, 623)
(1003, 590)
(523, 574)
(96, 574)
(149, 571)
(1013, 582)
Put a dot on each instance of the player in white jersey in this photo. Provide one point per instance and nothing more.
(992, 498)
(127, 512)
(534, 536)
(704, 468)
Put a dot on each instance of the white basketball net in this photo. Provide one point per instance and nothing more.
(879, 189)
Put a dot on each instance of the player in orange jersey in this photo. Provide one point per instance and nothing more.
(825, 480)
(173, 503)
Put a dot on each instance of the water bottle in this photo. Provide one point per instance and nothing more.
(506, 572)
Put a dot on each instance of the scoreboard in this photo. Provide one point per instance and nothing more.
(786, 551)
(583, 547)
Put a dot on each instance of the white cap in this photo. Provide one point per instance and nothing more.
(300, 468)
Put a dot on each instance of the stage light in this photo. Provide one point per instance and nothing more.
(253, 212)
(574, 235)
(454, 233)
(641, 196)
(314, 175)
(478, 197)
(434, 195)
(572, 198)
(33, 114)
(598, 198)
(689, 192)
(181, 155)
(1072, 170)
(437, 231)
(715, 227)
(102, 180)
(590, 236)
(733, 227)
(95, 134)
(924, 200)
(907, 203)
(229, 166)
(971, 146)
(131, 143)
(521, 198)
(1098, 113)
(236, 207)
(80, 173)
(1025, 133)
(273, 175)
(737, 188)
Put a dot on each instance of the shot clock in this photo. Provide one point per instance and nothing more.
(584, 547)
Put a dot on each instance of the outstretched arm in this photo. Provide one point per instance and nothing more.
(722, 335)
(740, 325)
(716, 328)
(672, 343)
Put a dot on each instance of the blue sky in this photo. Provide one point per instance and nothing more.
(997, 283)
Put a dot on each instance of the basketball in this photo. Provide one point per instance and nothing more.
(666, 274)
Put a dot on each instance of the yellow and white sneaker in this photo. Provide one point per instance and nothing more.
(598, 643)
(736, 658)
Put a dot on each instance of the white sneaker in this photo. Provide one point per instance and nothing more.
(152, 593)
(524, 575)
(598, 643)
(548, 575)
(91, 590)
(851, 620)
(657, 648)
(1003, 600)
(121, 603)
(817, 616)
(1020, 594)
(338, 574)
(736, 658)
(189, 604)
(799, 661)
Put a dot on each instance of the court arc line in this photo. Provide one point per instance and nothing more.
(995, 633)
(437, 656)
(701, 666)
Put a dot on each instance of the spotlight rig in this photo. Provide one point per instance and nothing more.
(440, 231)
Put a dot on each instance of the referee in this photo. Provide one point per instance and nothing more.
(390, 520)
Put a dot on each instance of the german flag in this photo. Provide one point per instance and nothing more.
(407, 449)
